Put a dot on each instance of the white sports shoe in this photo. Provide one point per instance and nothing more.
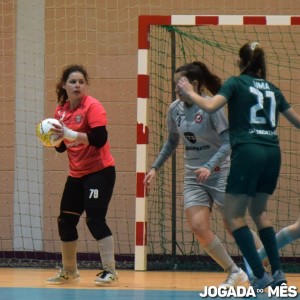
(235, 279)
(64, 277)
(106, 277)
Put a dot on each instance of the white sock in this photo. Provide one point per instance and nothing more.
(69, 256)
(107, 254)
(219, 254)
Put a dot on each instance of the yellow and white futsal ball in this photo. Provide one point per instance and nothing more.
(43, 133)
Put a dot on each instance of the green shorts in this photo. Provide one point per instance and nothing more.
(254, 169)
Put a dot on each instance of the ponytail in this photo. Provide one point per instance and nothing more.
(211, 81)
(253, 60)
(200, 72)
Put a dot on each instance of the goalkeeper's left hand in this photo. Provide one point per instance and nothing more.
(70, 134)
(64, 132)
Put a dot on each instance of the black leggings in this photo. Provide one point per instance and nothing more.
(91, 193)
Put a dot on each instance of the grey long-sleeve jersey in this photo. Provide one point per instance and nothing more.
(205, 138)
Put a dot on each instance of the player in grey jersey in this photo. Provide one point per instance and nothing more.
(207, 148)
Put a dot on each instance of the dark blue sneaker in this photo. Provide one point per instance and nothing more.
(262, 283)
(279, 278)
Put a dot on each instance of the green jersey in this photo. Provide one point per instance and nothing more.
(253, 108)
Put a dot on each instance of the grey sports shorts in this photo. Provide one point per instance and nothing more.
(205, 194)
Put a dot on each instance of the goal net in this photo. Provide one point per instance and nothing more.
(175, 40)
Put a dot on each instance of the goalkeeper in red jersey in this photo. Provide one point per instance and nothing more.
(91, 179)
(254, 105)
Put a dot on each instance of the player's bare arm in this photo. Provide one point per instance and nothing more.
(292, 116)
(210, 106)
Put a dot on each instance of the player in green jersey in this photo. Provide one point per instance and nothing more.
(254, 105)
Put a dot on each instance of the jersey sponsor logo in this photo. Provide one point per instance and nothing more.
(263, 132)
(72, 144)
(205, 147)
(198, 118)
(190, 137)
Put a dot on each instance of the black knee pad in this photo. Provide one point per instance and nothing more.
(67, 227)
(98, 228)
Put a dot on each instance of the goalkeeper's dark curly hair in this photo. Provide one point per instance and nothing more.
(61, 93)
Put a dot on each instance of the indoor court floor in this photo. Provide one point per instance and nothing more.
(29, 284)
